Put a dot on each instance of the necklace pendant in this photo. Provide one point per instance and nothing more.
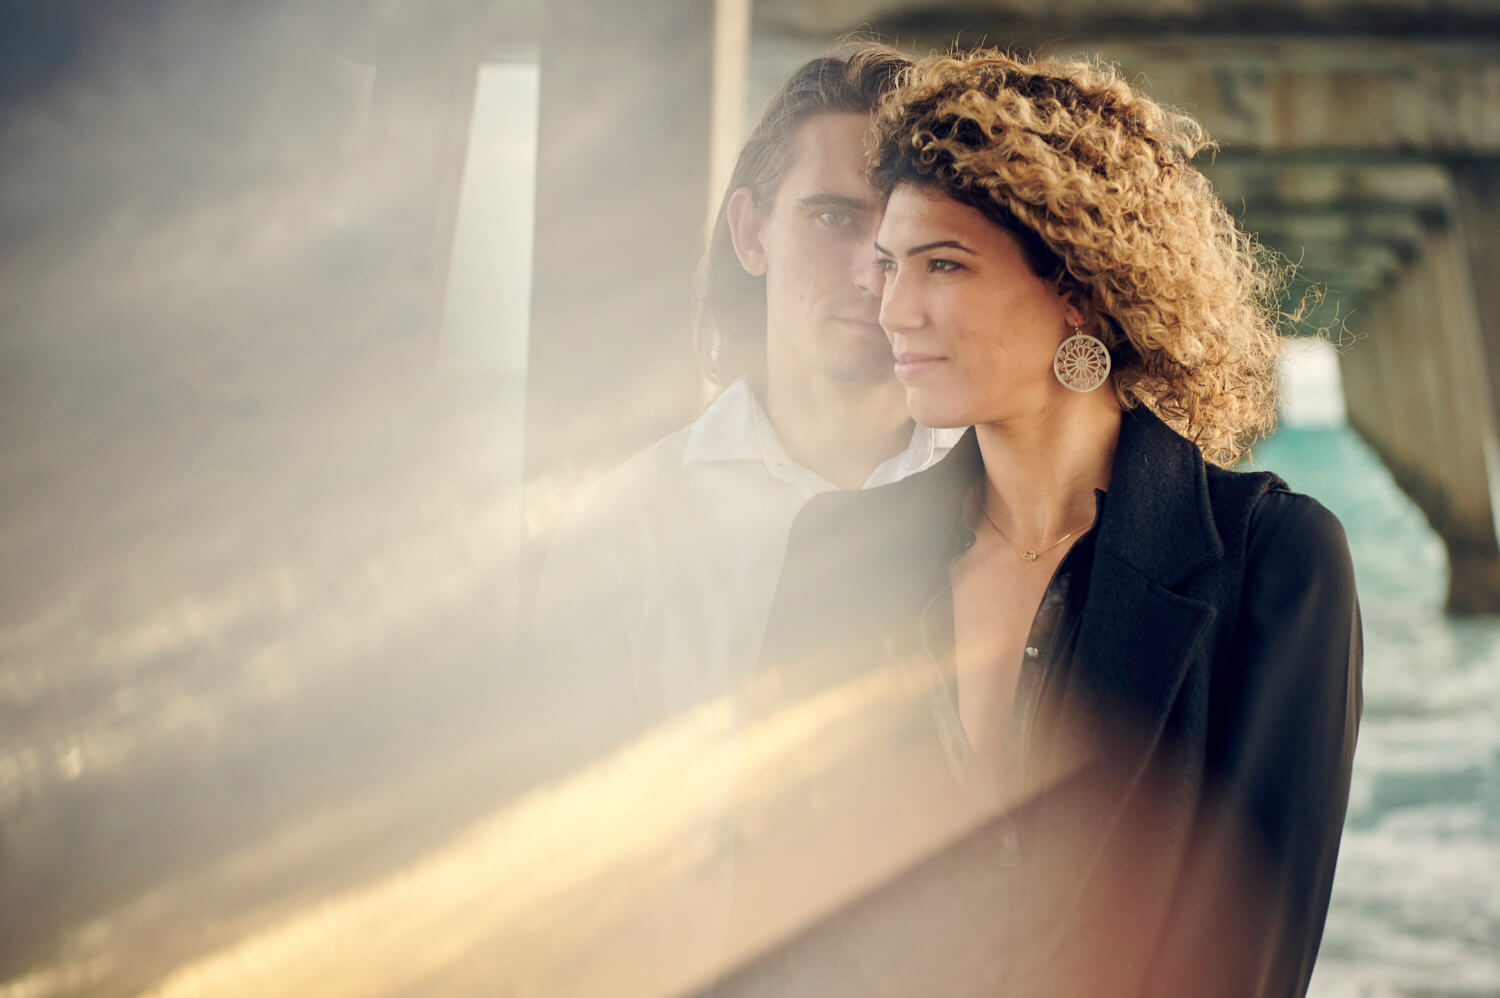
(1029, 555)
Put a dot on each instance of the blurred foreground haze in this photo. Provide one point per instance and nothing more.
(265, 314)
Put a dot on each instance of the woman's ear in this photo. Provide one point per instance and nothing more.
(1073, 313)
(745, 232)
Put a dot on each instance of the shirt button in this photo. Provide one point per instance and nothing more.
(1010, 845)
(1031, 652)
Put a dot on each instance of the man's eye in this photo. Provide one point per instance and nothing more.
(835, 218)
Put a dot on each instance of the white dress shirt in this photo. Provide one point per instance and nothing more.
(654, 600)
(681, 548)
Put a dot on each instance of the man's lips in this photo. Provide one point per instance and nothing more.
(910, 365)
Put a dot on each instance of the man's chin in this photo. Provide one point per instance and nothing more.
(867, 364)
(871, 374)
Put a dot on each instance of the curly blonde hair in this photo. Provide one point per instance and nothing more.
(1094, 179)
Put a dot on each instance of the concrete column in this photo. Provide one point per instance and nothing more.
(1419, 395)
(1467, 294)
(622, 180)
(421, 113)
(1476, 190)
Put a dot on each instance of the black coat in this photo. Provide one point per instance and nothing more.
(1218, 659)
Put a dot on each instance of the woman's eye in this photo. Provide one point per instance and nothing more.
(835, 218)
(887, 266)
(943, 266)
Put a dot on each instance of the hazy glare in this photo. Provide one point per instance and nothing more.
(488, 306)
(261, 425)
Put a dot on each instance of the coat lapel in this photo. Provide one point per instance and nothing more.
(1138, 636)
(873, 553)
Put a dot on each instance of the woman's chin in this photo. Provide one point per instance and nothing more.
(936, 412)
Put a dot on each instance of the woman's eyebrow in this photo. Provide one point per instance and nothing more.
(938, 244)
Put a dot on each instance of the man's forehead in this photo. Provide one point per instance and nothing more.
(828, 152)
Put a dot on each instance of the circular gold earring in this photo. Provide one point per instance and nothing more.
(1081, 362)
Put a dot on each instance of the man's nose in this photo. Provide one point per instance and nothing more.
(869, 276)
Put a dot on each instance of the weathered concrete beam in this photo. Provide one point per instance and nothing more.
(1383, 219)
(1033, 22)
(376, 29)
(1339, 265)
(1300, 97)
(1342, 285)
(1402, 233)
(1243, 179)
(1347, 258)
(1321, 215)
(1345, 292)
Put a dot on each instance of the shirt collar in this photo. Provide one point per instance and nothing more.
(735, 427)
(729, 429)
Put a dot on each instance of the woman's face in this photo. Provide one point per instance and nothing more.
(972, 327)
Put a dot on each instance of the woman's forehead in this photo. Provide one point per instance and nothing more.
(914, 212)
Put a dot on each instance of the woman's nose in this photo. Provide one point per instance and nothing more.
(899, 307)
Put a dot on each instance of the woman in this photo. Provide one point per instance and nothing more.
(1112, 618)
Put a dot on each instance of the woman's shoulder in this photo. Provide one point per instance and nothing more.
(1297, 547)
(1290, 529)
(1270, 503)
(1298, 531)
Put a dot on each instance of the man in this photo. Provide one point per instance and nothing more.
(656, 592)
(681, 546)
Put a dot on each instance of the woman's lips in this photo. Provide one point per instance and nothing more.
(912, 365)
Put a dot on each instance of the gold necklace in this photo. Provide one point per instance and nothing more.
(1028, 554)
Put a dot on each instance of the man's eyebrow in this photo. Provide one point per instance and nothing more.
(938, 244)
(836, 201)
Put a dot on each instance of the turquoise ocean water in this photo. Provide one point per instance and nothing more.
(1416, 901)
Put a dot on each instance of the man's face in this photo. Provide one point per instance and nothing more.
(817, 241)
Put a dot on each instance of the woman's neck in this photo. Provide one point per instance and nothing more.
(1041, 469)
